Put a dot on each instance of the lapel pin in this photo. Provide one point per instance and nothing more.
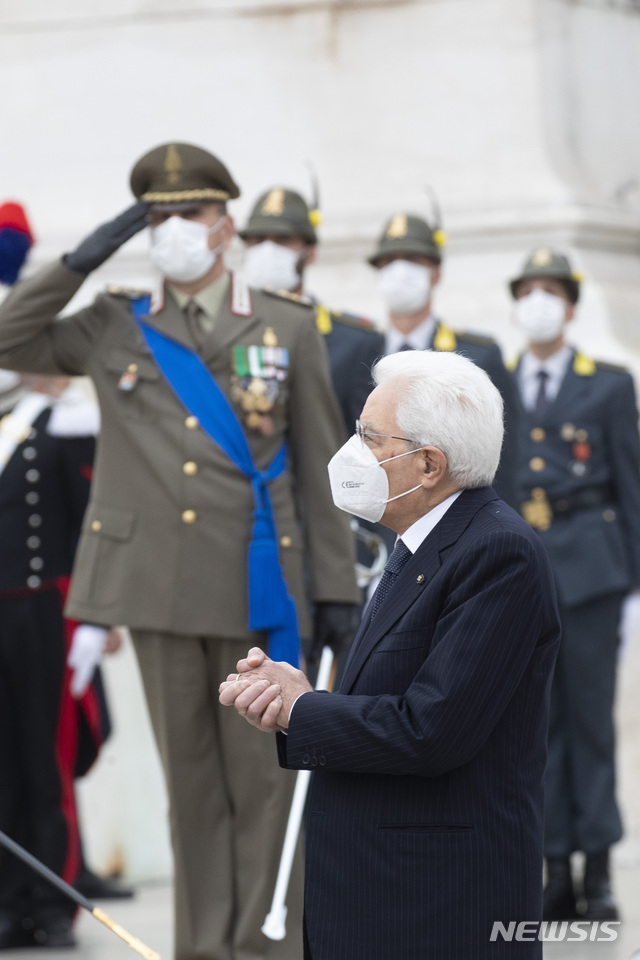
(420, 578)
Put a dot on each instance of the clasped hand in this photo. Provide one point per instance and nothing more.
(263, 690)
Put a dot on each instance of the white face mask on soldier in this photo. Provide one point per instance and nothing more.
(540, 316)
(404, 285)
(269, 264)
(359, 484)
(180, 248)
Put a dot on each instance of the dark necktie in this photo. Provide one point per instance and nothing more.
(405, 346)
(395, 563)
(192, 313)
(542, 401)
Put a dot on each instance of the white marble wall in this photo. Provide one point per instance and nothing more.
(523, 114)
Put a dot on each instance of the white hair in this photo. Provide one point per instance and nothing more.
(446, 401)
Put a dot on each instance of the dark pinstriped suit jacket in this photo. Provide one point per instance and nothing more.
(424, 819)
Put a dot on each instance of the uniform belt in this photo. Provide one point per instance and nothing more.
(539, 512)
(584, 499)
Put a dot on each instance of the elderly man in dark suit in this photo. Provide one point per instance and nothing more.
(424, 820)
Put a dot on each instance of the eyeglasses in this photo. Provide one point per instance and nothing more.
(362, 433)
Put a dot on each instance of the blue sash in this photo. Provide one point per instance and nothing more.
(270, 606)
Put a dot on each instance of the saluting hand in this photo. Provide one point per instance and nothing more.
(99, 245)
(263, 690)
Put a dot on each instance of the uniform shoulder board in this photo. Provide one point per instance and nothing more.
(351, 320)
(131, 293)
(476, 338)
(611, 367)
(287, 295)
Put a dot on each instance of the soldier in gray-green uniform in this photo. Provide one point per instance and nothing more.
(167, 532)
(407, 260)
(579, 487)
(281, 240)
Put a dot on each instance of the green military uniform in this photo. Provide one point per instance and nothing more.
(352, 342)
(165, 539)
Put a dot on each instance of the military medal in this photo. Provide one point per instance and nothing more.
(259, 380)
(129, 378)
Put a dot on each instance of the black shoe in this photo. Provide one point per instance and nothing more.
(12, 932)
(53, 930)
(93, 887)
(597, 888)
(559, 901)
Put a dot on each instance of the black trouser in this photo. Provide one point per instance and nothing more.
(581, 812)
(36, 784)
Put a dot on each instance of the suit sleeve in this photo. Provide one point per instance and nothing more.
(316, 432)
(33, 339)
(485, 637)
(505, 481)
(624, 454)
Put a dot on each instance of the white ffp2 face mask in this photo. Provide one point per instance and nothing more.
(404, 285)
(359, 484)
(269, 264)
(180, 248)
(540, 316)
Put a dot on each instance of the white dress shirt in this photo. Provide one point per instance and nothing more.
(418, 339)
(555, 368)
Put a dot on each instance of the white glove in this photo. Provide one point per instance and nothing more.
(85, 654)
(629, 628)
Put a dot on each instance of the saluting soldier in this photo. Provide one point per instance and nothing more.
(408, 262)
(281, 241)
(216, 403)
(579, 487)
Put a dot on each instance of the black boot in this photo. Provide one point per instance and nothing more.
(93, 887)
(597, 888)
(559, 899)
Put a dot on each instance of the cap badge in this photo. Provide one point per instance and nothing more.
(541, 258)
(173, 164)
(274, 203)
(398, 227)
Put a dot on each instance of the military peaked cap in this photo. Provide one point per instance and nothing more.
(405, 233)
(282, 211)
(180, 173)
(548, 263)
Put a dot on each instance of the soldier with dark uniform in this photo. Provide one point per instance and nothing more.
(281, 240)
(579, 487)
(216, 403)
(45, 467)
(407, 260)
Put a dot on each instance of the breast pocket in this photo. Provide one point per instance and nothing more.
(395, 662)
(135, 379)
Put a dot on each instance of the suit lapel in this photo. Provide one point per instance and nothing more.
(414, 579)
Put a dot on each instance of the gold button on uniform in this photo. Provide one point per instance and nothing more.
(191, 423)
(133, 368)
(190, 468)
(537, 464)
(189, 516)
(538, 434)
(285, 541)
(96, 526)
